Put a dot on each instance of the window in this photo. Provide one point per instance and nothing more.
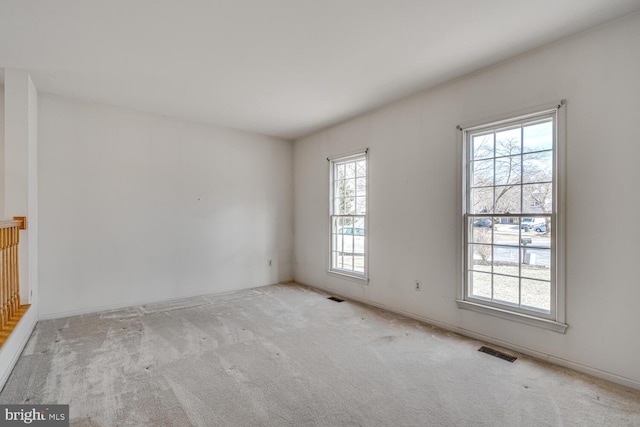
(349, 215)
(512, 257)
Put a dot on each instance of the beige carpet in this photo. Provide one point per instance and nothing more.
(286, 355)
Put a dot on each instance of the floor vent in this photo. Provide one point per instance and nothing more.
(335, 299)
(497, 353)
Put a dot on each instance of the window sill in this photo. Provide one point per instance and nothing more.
(517, 317)
(350, 277)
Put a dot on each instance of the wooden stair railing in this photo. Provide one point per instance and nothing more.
(11, 310)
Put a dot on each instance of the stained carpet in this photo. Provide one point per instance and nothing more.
(285, 355)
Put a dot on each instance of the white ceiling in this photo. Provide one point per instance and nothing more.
(279, 67)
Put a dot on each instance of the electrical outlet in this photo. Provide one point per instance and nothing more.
(418, 285)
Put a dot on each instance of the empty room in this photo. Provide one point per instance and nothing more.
(297, 212)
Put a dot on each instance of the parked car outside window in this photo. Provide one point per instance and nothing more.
(483, 222)
(350, 231)
(540, 228)
(528, 223)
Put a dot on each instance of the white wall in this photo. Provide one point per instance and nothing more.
(137, 208)
(413, 197)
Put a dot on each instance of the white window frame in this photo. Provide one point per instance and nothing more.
(555, 320)
(347, 274)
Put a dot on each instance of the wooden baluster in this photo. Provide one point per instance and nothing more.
(3, 279)
(10, 259)
(17, 269)
(16, 281)
(11, 267)
(10, 307)
(10, 272)
(7, 263)
(9, 250)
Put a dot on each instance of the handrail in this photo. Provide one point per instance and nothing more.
(8, 223)
(20, 221)
(10, 307)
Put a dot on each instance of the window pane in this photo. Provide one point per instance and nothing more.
(340, 172)
(345, 188)
(537, 167)
(361, 169)
(361, 186)
(339, 230)
(506, 289)
(481, 231)
(506, 260)
(537, 198)
(544, 232)
(482, 173)
(536, 263)
(358, 242)
(347, 262)
(347, 240)
(347, 243)
(538, 137)
(508, 170)
(482, 146)
(350, 170)
(361, 205)
(508, 142)
(359, 224)
(347, 206)
(358, 264)
(537, 230)
(482, 200)
(480, 285)
(507, 232)
(480, 258)
(536, 294)
(339, 257)
(349, 188)
(508, 199)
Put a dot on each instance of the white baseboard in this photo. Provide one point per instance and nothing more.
(618, 379)
(144, 301)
